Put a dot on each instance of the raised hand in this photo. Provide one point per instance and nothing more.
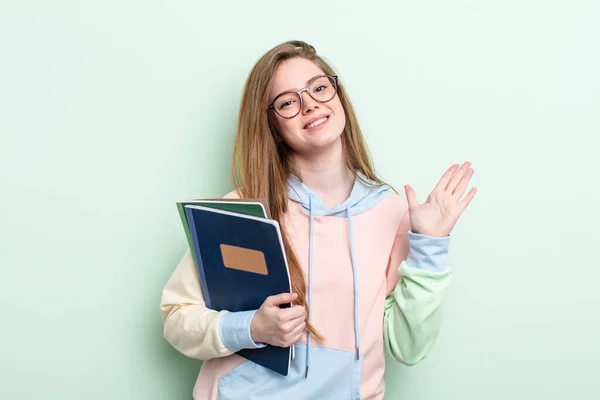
(438, 215)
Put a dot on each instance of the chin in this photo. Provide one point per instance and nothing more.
(325, 141)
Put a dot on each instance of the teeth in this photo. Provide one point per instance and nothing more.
(316, 123)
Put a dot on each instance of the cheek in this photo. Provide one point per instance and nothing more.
(340, 115)
(286, 128)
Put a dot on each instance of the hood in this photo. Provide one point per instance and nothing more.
(364, 195)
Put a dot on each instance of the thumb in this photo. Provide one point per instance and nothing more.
(411, 197)
(282, 298)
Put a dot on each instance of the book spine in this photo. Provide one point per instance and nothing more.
(199, 265)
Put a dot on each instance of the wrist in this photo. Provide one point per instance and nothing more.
(234, 330)
(429, 233)
(254, 330)
(427, 252)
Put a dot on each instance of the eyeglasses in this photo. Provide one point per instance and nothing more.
(322, 88)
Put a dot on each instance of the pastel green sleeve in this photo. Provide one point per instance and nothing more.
(412, 314)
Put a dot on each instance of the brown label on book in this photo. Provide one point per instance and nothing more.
(243, 259)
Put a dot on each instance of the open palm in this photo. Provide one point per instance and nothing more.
(438, 215)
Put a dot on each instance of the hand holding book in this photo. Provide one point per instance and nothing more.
(278, 326)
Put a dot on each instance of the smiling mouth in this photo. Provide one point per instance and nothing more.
(316, 123)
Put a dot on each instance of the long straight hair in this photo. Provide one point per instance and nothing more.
(262, 161)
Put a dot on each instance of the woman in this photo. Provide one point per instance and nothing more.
(368, 267)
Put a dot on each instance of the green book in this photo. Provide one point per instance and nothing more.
(255, 208)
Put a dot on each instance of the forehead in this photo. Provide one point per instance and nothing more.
(292, 75)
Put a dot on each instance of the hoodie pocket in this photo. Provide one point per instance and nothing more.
(333, 374)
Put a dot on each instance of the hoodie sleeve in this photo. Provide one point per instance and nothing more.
(417, 279)
(195, 330)
(189, 326)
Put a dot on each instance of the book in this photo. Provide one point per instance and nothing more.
(241, 261)
(257, 208)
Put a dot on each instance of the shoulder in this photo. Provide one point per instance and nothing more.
(396, 207)
(234, 194)
(396, 202)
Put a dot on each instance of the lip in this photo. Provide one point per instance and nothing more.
(316, 118)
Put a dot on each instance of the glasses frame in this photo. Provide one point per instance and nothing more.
(334, 78)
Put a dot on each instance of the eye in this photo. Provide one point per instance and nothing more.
(286, 104)
(320, 88)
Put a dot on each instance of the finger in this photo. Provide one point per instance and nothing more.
(292, 313)
(411, 197)
(279, 299)
(465, 202)
(443, 182)
(297, 321)
(297, 332)
(462, 185)
(287, 327)
(458, 176)
(290, 338)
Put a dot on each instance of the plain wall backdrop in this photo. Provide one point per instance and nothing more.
(111, 111)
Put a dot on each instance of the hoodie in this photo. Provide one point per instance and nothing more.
(373, 285)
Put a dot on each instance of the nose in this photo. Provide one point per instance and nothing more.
(308, 103)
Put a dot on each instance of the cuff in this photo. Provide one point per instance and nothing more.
(234, 330)
(427, 253)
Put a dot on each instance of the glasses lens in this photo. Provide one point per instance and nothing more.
(287, 105)
(323, 89)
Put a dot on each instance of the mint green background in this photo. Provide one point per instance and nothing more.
(111, 111)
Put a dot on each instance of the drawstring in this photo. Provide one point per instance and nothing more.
(356, 331)
(310, 261)
(354, 278)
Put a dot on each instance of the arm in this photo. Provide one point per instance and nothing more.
(195, 330)
(417, 280)
(412, 315)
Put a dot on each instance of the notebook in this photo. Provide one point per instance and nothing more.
(257, 208)
(241, 261)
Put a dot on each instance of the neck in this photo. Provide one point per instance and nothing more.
(326, 175)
